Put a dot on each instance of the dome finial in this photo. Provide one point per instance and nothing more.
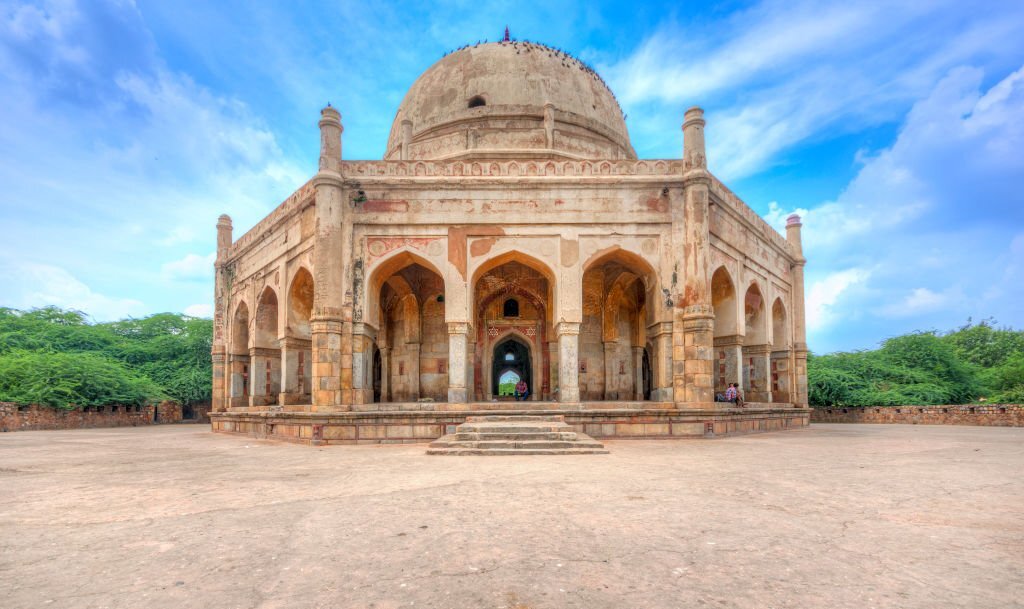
(506, 34)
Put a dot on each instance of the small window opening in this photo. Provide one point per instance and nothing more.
(477, 101)
(511, 308)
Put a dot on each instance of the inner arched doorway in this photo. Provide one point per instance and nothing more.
(510, 355)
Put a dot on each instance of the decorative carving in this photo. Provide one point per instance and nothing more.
(379, 246)
(511, 168)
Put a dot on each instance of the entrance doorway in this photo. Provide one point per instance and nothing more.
(511, 360)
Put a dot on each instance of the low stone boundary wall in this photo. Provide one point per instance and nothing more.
(996, 415)
(15, 417)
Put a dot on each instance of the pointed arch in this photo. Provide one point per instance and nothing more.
(266, 319)
(240, 329)
(754, 318)
(380, 272)
(723, 302)
(780, 330)
(300, 303)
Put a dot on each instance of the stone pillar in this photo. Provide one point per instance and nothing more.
(412, 350)
(756, 360)
(329, 281)
(693, 319)
(362, 364)
(568, 361)
(638, 373)
(799, 373)
(661, 361)
(239, 380)
(610, 370)
(552, 347)
(385, 373)
(264, 376)
(457, 362)
(780, 376)
(221, 297)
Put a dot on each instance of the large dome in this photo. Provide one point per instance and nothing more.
(509, 99)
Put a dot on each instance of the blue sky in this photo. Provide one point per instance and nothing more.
(897, 131)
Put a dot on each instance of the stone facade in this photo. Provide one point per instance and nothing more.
(510, 233)
(15, 417)
(995, 415)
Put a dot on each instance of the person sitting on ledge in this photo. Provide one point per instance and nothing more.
(522, 390)
(732, 394)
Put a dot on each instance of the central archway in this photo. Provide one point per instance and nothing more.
(510, 354)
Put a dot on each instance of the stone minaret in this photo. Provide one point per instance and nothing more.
(329, 248)
(693, 317)
(221, 300)
(793, 226)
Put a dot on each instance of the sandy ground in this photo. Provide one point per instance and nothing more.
(832, 516)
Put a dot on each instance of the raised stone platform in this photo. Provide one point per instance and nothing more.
(495, 435)
(426, 422)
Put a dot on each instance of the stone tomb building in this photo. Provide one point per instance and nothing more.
(510, 232)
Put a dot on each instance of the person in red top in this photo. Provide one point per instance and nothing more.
(522, 390)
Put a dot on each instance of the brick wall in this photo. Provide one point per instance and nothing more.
(997, 415)
(24, 418)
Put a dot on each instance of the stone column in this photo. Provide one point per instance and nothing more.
(385, 373)
(568, 361)
(552, 347)
(799, 384)
(610, 371)
(693, 319)
(329, 280)
(780, 376)
(638, 373)
(457, 362)
(661, 361)
(221, 297)
(362, 363)
(412, 350)
(756, 359)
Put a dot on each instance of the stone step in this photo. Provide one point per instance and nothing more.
(511, 429)
(492, 418)
(483, 452)
(515, 435)
(546, 435)
(514, 444)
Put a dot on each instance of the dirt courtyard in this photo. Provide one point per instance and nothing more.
(830, 516)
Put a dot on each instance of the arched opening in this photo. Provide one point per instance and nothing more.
(756, 350)
(510, 308)
(239, 356)
(727, 339)
(476, 101)
(528, 283)
(507, 383)
(297, 345)
(511, 356)
(780, 362)
(413, 335)
(265, 357)
(617, 312)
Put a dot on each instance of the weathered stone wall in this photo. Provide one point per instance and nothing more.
(996, 415)
(14, 417)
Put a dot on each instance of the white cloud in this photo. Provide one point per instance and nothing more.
(200, 310)
(38, 285)
(823, 295)
(192, 266)
(931, 217)
(782, 73)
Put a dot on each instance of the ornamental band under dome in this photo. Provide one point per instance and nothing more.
(510, 235)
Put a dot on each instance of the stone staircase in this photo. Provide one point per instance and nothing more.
(516, 435)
